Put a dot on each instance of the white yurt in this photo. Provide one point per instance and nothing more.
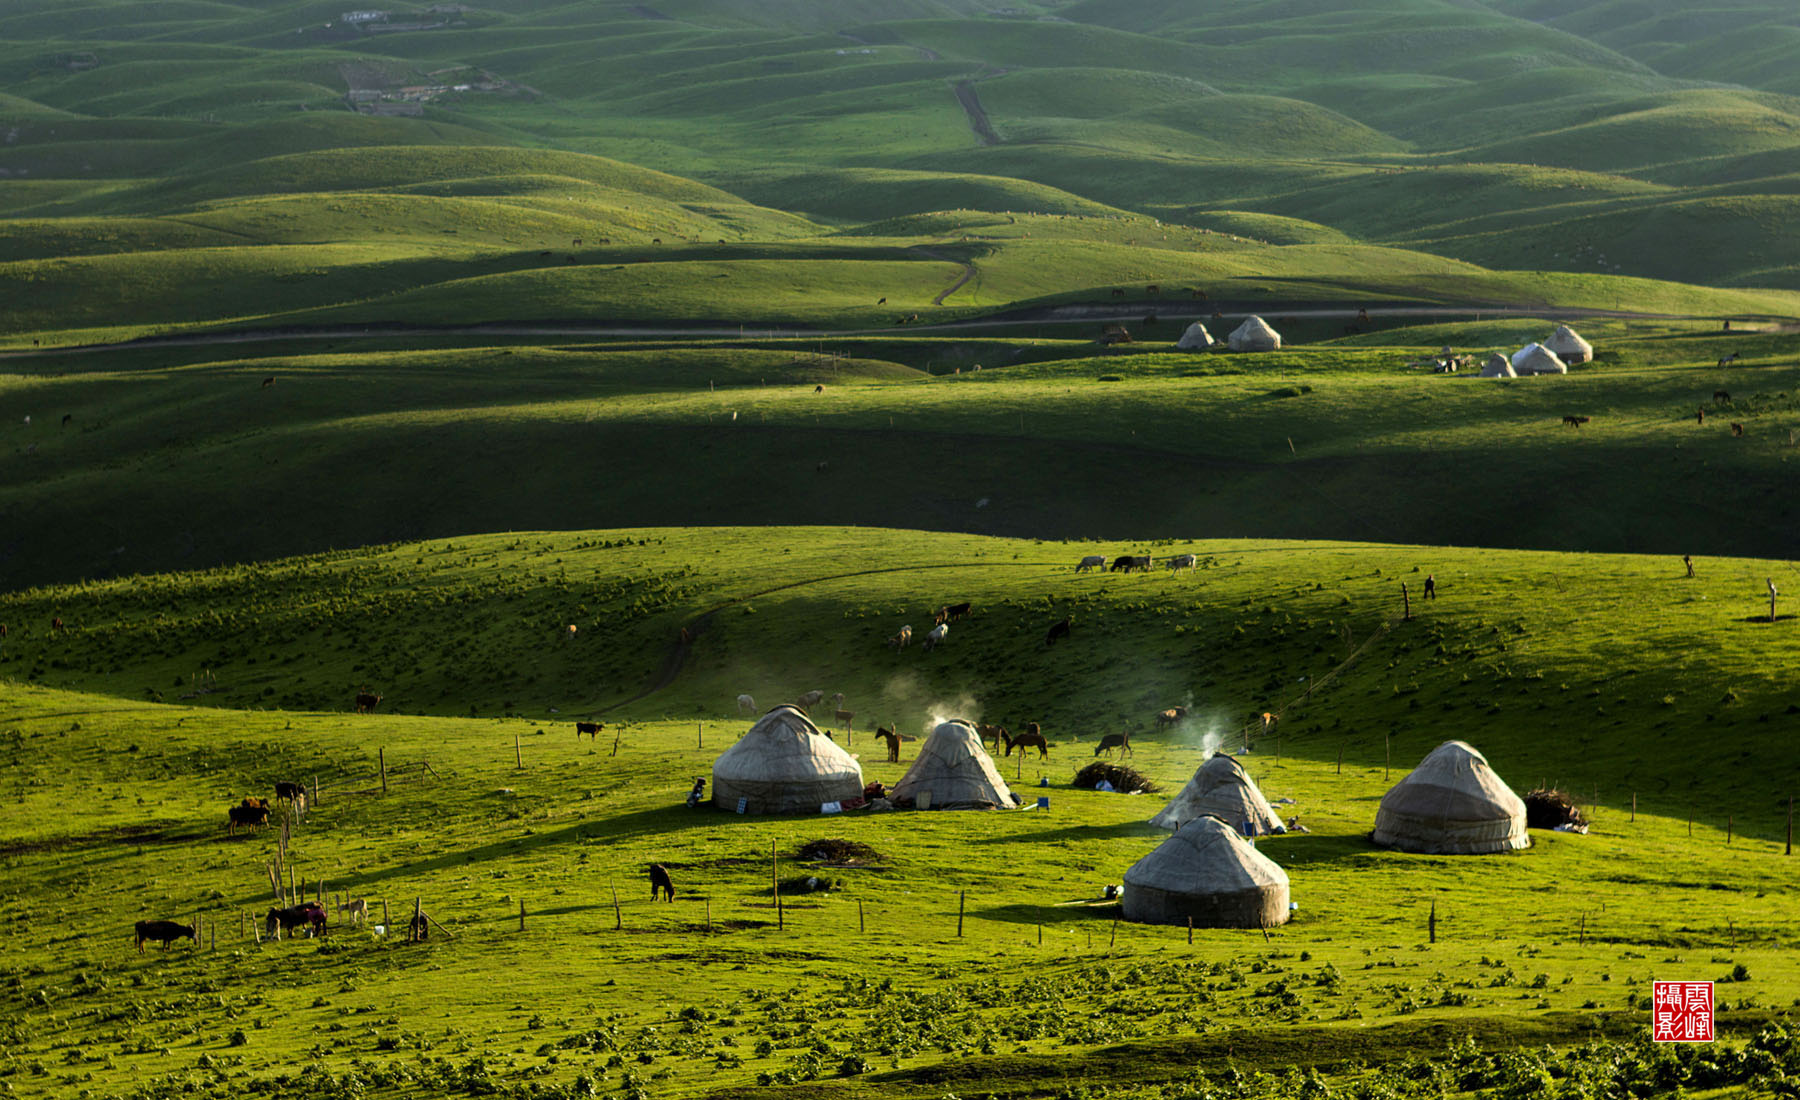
(1498, 366)
(1451, 804)
(784, 765)
(956, 771)
(1206, 872)
(1221, 788)
(1568, 345)
(1254, 335)
(1537, 359)
(1196, 338)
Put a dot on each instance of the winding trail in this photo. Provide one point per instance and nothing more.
(968, 272)
(978, 119)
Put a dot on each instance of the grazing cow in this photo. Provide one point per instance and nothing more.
(1140, 564)
(1172, 716)
(950, 613)
(893, 743)
(1032, 737)
(165, 932)
(1121, 564)
(844, 718)
(1576, 421)
(576, 242)
(902, 639)
(1721, 397)
(935, 635)
(1092, 561)
(745, 702)
(990, 732)
(66, 418)
(810, 699)
(655, 240)
(883, 302)
(308, 914)
(1057, 630)
(592, 729)
(660, 882)
(820, 388)
(1153, 290)
(1120, 741)
(294, 793)
(56, 623)
(1737, 429)
(1729, 359)
(358, 908)
(1700, 414)
(251, 813)
(366, 703)
(1118, 292)
(1181, 561)
(269, 381)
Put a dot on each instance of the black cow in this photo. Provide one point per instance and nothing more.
(251, 813)
(165, 932)
(290, 792)
(308, 913)
(592, 729)
(661, 882)
(1059, 630)
(366, 703)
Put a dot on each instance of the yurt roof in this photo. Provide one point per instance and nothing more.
(1205, 856)
(1451, 803)
(1196, 336)
(1538, 359)
(1254, 333)
(784, 765)
(1568, 344)
(957, 770)
(1221, 788)
(1498, 366)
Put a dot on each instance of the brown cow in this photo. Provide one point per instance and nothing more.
(251, 813)
(592, 729)
(366, 703)
(1031, 738)
(1170, 717)
(1737, 429)
(1057, 630)
(660, 882)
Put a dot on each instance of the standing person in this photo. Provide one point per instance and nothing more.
(1430, 587)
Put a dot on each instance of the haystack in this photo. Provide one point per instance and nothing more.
(1498, 366)
(1208, 872)
(957, 771)
(784, 765)
(1221, 788)
(1452, 804)
(1568, 345)
(1196, 338)
(1254, 335)
(1537, 359)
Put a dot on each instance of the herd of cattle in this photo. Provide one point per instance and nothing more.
(1135, 563)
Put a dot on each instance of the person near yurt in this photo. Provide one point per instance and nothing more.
(1451, 804)
(1254, 335)
(1222, 788)
(1206, 872)
(1537, 359)
(956, 771)
(784, 765)
(1566, 344)
(1498, 366)
(1196, 338)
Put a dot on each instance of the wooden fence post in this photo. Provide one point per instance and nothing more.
(859, 916)
(709, 916)
(1728, 828)
(1634, 806)
(962, 897)
(521, 914)
(315, 793)
(1190, 930)
(1431, 922)
(385, 922)
(699, 735)
(381, 755)
(618, 917)
(518, 759)
(1115, 931)
(1387, 755)
(1405, 604)
(1340, 770)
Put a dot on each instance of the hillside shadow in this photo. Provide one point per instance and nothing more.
(1053, 913)
(1079, 832)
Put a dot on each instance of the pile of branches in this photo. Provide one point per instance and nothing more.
(1123, 779)
(1548, 807)
(839, 851)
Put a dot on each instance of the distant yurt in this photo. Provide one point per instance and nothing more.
(784, 765)
(1568, 345)
(1254, 335)
(1537, 359)
(956, 771)
(1221, 788)
(1208, 872)
(1196, 338)
(1498, 366)
(1452, 804)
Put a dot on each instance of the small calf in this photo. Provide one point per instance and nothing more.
(358, 908)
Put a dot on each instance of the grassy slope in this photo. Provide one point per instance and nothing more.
(1525, 654)
(523, 437)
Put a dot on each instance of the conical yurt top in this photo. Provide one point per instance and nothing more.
(957, 771)
(1537, 359)
(1221, 788)
(1568, 345)
(1196, 337)
(1254, 335)
(1208, 873)
(1498, 366)
(784, 765)
(1451, 804)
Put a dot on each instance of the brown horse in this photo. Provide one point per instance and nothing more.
(660, 882)
(1032, 737)
(893, 743)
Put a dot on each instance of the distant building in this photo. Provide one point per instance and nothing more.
(363, 17)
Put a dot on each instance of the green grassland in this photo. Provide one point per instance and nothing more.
(1345, 438)
(1522, 654)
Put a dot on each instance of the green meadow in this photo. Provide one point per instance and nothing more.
(526, 364)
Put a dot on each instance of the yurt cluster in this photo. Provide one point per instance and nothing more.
(1208, 873)
(1565, 348)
